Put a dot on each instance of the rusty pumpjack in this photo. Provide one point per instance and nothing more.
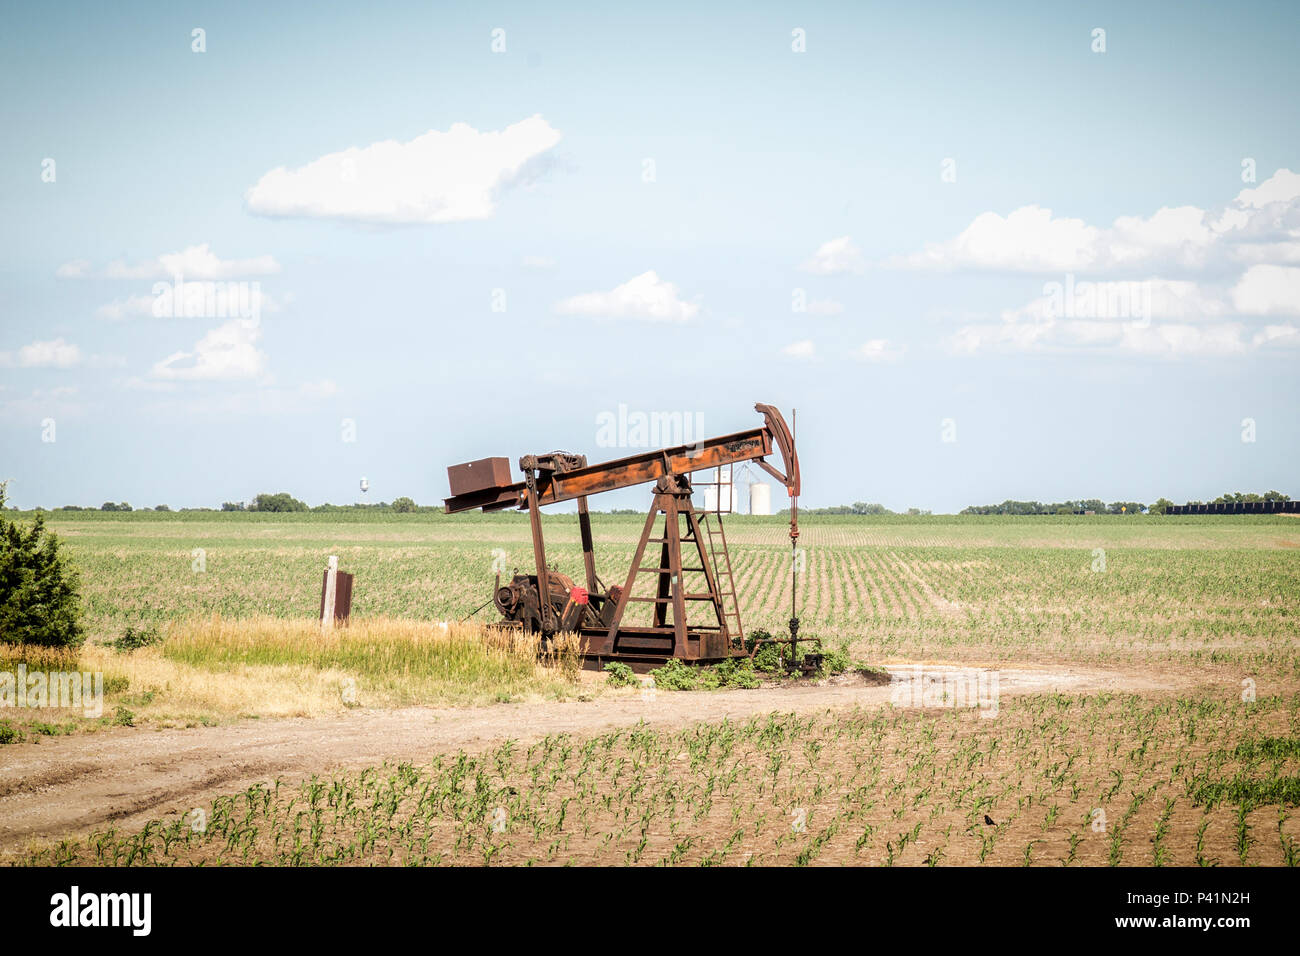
(597, 613)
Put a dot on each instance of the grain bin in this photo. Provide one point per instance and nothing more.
(721, 490)
(760, 498)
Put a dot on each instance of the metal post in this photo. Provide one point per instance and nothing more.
(331, 592)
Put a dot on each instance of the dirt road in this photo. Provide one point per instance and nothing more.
(64, 786)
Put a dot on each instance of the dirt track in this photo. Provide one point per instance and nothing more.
(66, 786)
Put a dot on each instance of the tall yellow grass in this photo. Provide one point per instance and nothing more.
(213, 668)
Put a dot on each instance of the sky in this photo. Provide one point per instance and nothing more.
(1012, 251)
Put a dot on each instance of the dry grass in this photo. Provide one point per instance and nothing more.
(214, 668)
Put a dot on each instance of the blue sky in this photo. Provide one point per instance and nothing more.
(623, 207)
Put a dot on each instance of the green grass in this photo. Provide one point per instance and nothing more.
(1199, 590)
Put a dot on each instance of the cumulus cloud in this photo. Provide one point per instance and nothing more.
(192, 262)
(835, 257)
(642, 297)
(1283, 336)
(226, 352)
(55, 353)
(1171, 339)
(802, 349)
(1268, 290)
(437, 177)
(879, 350)
(1259, 225)
(1030, 239)
(76, 269)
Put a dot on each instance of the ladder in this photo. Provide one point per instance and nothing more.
(728, 605)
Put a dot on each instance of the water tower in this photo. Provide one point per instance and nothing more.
(365, 486)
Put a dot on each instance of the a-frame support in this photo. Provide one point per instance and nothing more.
(689, 642)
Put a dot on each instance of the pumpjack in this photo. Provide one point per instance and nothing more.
(694, 611)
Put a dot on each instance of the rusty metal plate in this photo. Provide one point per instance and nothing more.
(479, 475)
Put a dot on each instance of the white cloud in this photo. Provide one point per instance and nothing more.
(437, 177)
(1029, 239)
(76, 269)
(1170, 339)
(226, 352)
(131, 306)
(1286, 336)
(192, 262)
(1268, 290)
(802, 349)
(55, 353)
(1259, 225)
(835, 257)
(879, 350)
(1283, 186)
(642, 297)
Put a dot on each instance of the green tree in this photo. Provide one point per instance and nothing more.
(39, 599)
(404, 505)
(283, 501)
(1161, 506)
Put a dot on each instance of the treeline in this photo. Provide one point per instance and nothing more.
(1096, 506)
(860, 508)
(281, 502)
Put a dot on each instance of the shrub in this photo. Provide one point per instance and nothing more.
(675, 675)
(132, 638)
(768, 658)
(620, 675)
(404, 506)
(39, 599)
(737, 673)
(838, 660)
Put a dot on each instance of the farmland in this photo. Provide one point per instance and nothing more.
(1188, 590)
(1189, 747)
(1104, 780)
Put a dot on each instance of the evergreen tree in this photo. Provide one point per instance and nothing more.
(39, 587)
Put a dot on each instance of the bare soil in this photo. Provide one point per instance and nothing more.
(58, 787)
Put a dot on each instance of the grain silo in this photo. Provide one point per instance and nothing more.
(760, 498)
(719, 488)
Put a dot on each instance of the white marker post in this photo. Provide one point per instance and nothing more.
(331, 590)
